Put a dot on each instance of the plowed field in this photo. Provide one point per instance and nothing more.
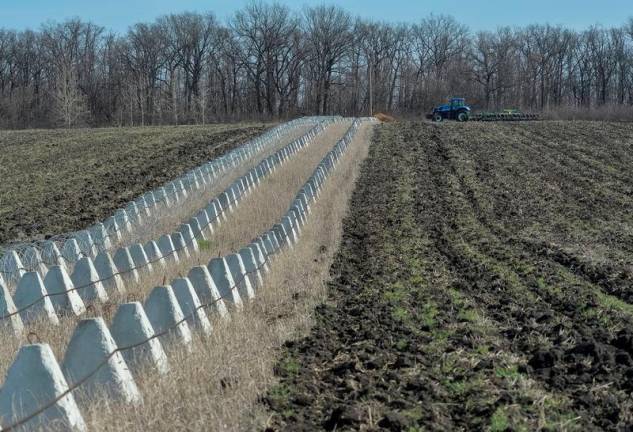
(55, 181)
(484, 282)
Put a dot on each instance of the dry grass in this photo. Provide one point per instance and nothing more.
(256, 213)
(167, 219)
(216, 387)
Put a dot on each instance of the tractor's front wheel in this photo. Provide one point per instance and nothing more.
(462, 117)
(437, 118)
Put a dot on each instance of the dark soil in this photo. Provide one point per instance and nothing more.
(56, 181)
(483, 283)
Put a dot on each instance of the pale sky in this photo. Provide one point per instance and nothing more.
(118, 15)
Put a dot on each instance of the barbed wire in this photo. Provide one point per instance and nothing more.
(312, 133)
(192, 315)
(165, 195)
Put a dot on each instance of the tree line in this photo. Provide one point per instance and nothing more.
(269, 61)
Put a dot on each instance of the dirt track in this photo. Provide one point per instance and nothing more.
(483, 283)
(55, 181)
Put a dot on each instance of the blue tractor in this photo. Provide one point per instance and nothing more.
(456, 109)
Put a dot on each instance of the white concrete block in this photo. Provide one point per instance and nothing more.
(139, 258)
(91, 348)
(131, 326)
(250, 266)
(167, 249)
(109, 274)
(114, 232)
(240, 276)
(85, 243)
(180, 246)
(32, 260)
(164, 312)
(87, 282)
(123, 222)
(154, 255)
(51, 255)
(223, 279)
(9, 318)
(31, 297)
(64, 297)
(189, 237)
(12, 267)
(190, 305)
(206, 289)
(260, 256)
(124, 262)
(290, 229)
(33, 380)
(282, 237)
(71, 251)
(100, 237)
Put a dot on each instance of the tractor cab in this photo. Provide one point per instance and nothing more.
(456, 109)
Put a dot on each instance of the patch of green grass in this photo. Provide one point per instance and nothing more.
(511, 372)
(402, 344)
(204, 245)
(290, 366)
(499, 422)
(469, 315)
(399, 313)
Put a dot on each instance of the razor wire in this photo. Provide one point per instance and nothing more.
(171, 328)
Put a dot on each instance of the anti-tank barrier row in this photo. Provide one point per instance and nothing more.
(95, 282)
(34, 258)
(103, 236)
(100, 359)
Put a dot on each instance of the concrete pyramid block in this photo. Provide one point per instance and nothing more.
(8, 316)
(64, 297)
(124, 262)
(33, 380)
(180, 245)
(289, 225)
(167, 249)
(282, 236)
(11, 267)
(203, 224)
(166, 316)
(139, 257)
(71, 252)
(131, 326)
(31, 297)
(251, 267)
(260, 256)
(190, 305)
(223, 279)
(154, 255)
(85, 243)
(123, 221)
(109, 274)
(91, 348)
(240, 276)
(32, 260)
(207, 291)
(87, 282)
(214, 214)
(189, 237)
(114, 232)
(52, 256)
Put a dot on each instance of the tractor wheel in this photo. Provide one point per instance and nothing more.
(437, 118)
(462, 117)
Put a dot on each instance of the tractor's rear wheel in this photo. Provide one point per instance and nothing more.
(437, 118)
(462, 117)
